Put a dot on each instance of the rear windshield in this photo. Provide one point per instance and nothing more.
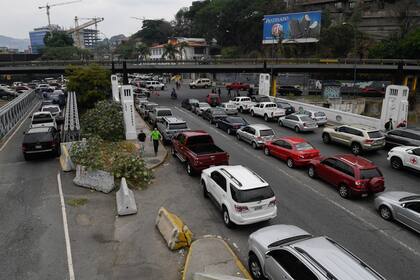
(375, 134)
(304, 147)
(236, 120)
(244, 196)
(161, 113)
(266, 132)
(50, 109)
(370, 173)
(319, 114)
(202, 139)
(305, 119)
(37, 137)
(178, 126)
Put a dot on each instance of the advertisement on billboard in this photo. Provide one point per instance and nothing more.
(302, 27)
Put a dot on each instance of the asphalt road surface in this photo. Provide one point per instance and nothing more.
(390, 248)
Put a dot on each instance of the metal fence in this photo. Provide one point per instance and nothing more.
(15, 110)
(71, 121)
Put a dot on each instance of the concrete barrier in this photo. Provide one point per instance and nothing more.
(207, 276)
(176, 234)
(65, 159)
(126, 204)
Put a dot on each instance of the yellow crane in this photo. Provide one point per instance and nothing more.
(47, 7)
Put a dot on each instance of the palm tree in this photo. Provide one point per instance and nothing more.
(181, 48)
(170, 51)
(143, 51)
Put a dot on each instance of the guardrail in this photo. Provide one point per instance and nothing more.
(14, 111)
(71, 121)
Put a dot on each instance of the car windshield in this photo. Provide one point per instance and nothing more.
(237, 120)
(305, 119)
(161, 113)
(375, 134)
(370, 173)
(246, 99)
(266, 132)
(176, 126)
(304, 147)
(319, 114)
(51, 109)
(245, 196)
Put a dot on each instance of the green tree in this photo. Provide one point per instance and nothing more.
(91, 84)
(60, 53)
(154, 31)
(142, 51)
(337, 41)
(181, 48)
(170, 51)
(56, 39)
(127, 50)
(407, 47)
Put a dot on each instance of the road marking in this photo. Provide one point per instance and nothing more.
(66, 229)
(351, 213)
(17, 128)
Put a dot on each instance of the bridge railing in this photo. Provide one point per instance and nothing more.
(71, 121)
(15, 110)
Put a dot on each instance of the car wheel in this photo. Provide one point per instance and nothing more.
(311, 172)
(255, 267)
(266, 151)
(254, 145)
(281, 123)
(241, 110)
(205, 192)
(266, 118)
(290, 163)
(297, 129)
(26, 157)
(226, 218)
(385, 212)
(238, 136)
(229, 131)
(326, 138)
(190, 171)
(356, 149)
(344, 191)
(396, 163)
(252, 113)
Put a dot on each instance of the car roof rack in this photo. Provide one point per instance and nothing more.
(231, 177)
(318, 266)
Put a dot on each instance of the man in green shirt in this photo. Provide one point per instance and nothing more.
(155, 136)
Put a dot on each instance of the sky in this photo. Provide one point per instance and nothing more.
(18, 17)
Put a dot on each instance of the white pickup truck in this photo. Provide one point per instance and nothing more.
(243, 103)
(405, 156)
(268, 110)
(42, 119)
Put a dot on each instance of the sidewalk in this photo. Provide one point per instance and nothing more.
(150, 159)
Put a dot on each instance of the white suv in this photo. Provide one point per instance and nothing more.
(242, 195)
(154, 85)
(243, 103)
(201, 83)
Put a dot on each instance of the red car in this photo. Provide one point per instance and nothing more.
(237, 86)
(295, 151)
(374, 91)
(351, 175)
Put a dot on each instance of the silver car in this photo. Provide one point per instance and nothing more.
(318, 116)
(298, 122)
(288, 252)
(200, 108)
(403, 207)
(145, 108)
(255, 134)
(229, 108)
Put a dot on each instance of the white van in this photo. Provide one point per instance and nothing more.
(200, 83)
(154, 85)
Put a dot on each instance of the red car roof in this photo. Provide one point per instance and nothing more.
(194, 133)
(361, 162)
(293, 140)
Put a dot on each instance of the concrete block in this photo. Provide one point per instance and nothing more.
(98, 180)
(213, 276)
(176, 234)
(65, 159)
(126, 204)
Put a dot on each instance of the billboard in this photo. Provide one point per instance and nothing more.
(302, 27)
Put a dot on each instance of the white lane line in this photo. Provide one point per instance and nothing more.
(66, 230)
(17, 128)
(351, 213)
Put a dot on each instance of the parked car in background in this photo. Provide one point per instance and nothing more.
(43, 119)
(189, 103)
(196, 149)
(318, 116)
(158, 113)
(372, 91)
(170, 126)
(146, 108)
(403, 207)
(359, 138)
(199, 108)
(201, 83)
(154, 85)
(403, 137)
(351, 175)
(255, 134)
(242, 195)
(260, 98)
(295, 151)
(213, 100)
(142, 92)
(229, 108)
(237, 86)
(55, 112)
(267, 110)
(243, 103)
(405, 157)
(213, 114)
(6, 93)
(286, 106)
(298, 122)
(287, 90)
(289, 252)
(231, 124)
(41, 140)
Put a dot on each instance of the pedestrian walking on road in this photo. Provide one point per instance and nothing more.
(219, 91)
(142, 138)
(229, 94)
(388, 125)
(156, 136)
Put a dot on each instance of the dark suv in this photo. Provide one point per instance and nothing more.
(403, 137)
(41, 140)
(352, 175)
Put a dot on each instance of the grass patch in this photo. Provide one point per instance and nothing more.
(77, 202)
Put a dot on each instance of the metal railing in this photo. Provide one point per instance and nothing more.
(71, 121)
(15, 110)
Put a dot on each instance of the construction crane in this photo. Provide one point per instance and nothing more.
(77, 28)
(47, 7)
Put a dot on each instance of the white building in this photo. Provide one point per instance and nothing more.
(197, 48)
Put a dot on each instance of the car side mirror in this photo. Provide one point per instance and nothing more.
(410, 152)
(336, 129)
(403, 205)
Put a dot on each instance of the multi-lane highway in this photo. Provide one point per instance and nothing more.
(392, 249)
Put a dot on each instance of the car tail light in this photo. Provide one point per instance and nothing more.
(369, 141)
(241, 209)
(259, 138)
(272, 203)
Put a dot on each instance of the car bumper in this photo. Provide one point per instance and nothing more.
(373, 147)
(321, 122)
(254, 218)
(38, 151)
(305, 128)
(364, 191)
(302, 162)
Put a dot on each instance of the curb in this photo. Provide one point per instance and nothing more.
(162, 161)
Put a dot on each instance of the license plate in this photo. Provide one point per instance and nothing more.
(258, 208)
(38, 147)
